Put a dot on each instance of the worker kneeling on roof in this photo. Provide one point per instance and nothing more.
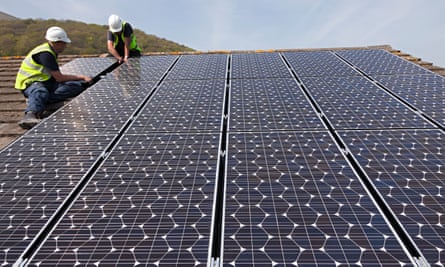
(41, 81)
(121, 41)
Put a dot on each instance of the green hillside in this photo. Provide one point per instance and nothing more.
(18, 37)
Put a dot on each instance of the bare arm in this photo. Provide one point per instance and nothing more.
(60, 77)
(127, 41)
(113, 51)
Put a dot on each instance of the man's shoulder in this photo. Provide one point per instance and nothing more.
(127, 28)
(47, 59)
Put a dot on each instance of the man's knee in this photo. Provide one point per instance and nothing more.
(67, 90)
(37, 92)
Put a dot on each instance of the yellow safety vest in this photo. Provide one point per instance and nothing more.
(31, 71)
(133, 44)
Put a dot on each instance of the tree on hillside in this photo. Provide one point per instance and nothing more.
(18, 37)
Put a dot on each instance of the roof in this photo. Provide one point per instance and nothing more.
(321, 157)
(13, 103)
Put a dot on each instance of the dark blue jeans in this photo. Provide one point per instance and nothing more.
(39, 96)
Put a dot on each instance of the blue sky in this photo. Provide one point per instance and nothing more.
(416, 27)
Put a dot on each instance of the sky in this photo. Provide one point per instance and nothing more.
(416, 27)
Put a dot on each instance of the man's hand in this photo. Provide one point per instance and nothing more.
(87, 79)
(123, 60)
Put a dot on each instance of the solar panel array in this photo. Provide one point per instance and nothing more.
(328, 158)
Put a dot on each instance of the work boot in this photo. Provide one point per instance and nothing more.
(30, 120)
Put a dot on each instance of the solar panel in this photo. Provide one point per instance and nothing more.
(407, 169)
(147, 68)
(37, 174)
(87, 66)
(425, 92)
(103, 108)
(294, 158)
(270, 105)
(380, 62)
(204, 66)
(292, 199)
(50, 160)
(353, 102)
(183, 106)
(149, 204)
(109, 104)
(258, 65)
(318, 64)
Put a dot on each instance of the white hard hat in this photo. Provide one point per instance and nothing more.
(115, 23)
(57, 34)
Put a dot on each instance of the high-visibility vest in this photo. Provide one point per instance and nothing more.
(133, 43)
(30, 71)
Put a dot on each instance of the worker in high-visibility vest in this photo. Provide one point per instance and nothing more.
(121, 40)
(41, 81)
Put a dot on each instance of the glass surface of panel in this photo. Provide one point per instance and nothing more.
(407, 168)
(292, 199)
(151, 203)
